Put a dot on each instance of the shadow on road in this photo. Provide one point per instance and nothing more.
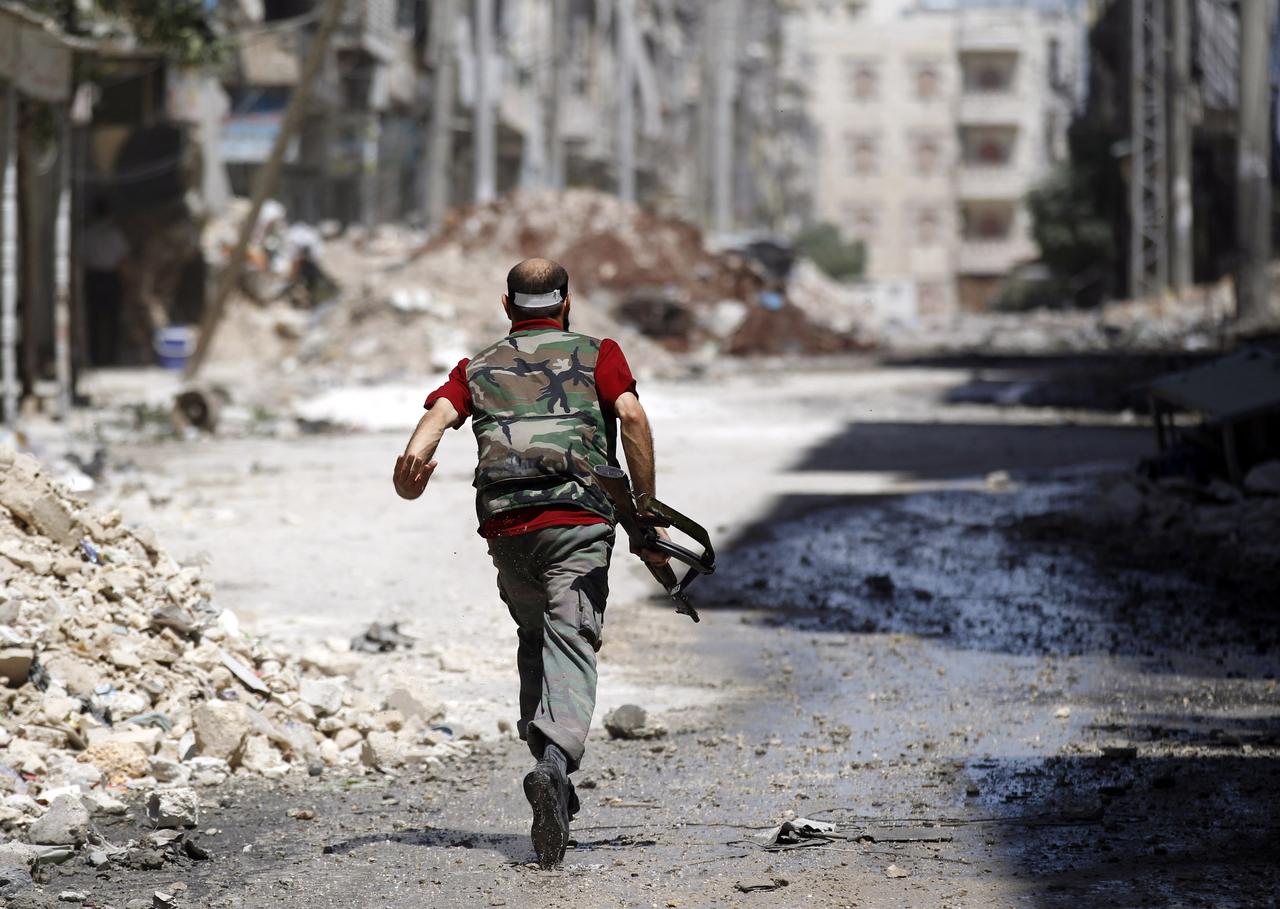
(513, 847)
(951, 451)
(1153, 830)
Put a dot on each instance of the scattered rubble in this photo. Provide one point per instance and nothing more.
(631, 722)
(121, 674)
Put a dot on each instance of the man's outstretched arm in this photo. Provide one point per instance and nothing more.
(414, 467)
(637, 445)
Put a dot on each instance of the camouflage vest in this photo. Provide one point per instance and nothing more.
(538, 423)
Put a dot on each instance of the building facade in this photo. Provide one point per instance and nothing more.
(932, 123)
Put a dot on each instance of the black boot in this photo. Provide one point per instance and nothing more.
(547, 788)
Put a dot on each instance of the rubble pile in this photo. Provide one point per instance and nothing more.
(603, 242)
(1198, 322)
(116, 671)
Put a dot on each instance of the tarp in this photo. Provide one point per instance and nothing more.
(251, 129)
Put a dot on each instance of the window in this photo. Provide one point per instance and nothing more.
(989, 71)
(931, 297)
(987, 146)
(860, 221)
(864, 153)
(927, 76)
(926, 225)
(926, 153)
(864, 79)
(987, 221)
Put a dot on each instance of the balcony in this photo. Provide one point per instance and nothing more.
(994, 182)
(980, 108)
(990, 33)
(993, 257)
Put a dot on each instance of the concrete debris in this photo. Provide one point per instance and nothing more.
(894, 871)
(325, 695)
(760, 884)
(380, 638)
(413, 705)
(66, 823)
(797, 833)
(13, 880)
(173, 808)
(122, 673)
(631, 722)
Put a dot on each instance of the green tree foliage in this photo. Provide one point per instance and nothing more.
(180, 28)
(823, 244)
(1073, 238)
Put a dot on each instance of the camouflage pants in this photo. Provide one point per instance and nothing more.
(555, 582)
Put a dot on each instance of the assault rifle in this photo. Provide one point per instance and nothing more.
(640, 518)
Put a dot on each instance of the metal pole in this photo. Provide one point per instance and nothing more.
(560, 27)
(626, 150)
(264, 182)
(62, 271)
(1181, 252)
(483, 115)
(1253, 179)
(724, 22)
(9, 258)
(440, 147)
(1148, 172)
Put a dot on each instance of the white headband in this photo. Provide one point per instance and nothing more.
(537, 301)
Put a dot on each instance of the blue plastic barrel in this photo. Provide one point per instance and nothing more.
(174, 346)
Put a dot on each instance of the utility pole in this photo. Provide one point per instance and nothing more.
(626, 148)
(1181, 251)
(1148, 175)
(1254, 307)
(264, 183)
(62, 268)
(9, 253)
(482, 115)
(440, 144)
(723, 24)
(560, 28)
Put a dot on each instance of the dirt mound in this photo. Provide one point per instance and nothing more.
(602, 241)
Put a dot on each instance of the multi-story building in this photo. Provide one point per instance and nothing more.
(932, 122)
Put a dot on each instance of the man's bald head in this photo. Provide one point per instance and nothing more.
(536, 277)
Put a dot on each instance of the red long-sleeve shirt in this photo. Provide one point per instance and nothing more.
(613, 379)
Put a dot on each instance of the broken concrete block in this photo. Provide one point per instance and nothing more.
(260, 756)
(98, 802)
(631, 722)
(173, 808)
(221, 728)
(382, 750)
(325, 695)
(415, 705)
(345, 738)
(66, 823)
(208, 771)
(26, 492)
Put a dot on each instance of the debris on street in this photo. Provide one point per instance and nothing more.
(797, 834)
(632, 722)
(121, 674)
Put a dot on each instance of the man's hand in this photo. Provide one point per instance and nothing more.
(411, 475)
(655, 556)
